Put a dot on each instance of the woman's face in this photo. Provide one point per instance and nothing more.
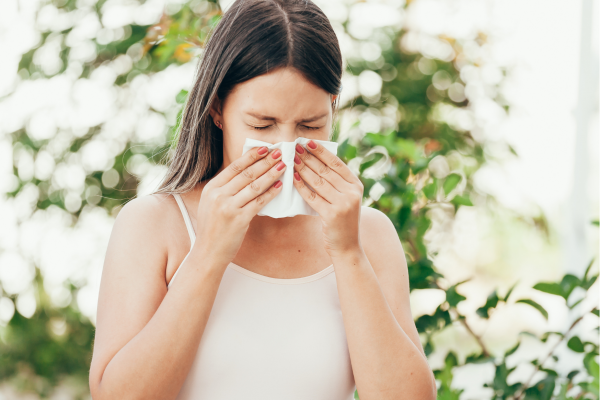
(279, 106)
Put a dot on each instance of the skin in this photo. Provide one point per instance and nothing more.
(149, 242)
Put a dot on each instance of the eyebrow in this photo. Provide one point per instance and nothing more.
(266, 117)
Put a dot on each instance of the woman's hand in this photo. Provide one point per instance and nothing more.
(233, 197)
(337, 196)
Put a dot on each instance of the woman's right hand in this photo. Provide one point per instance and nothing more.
(233, 197)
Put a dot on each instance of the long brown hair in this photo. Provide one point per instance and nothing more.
(252, 38)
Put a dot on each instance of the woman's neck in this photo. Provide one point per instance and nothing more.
(283, 231)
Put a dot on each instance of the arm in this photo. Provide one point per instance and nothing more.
(387, 357)
(146, 335)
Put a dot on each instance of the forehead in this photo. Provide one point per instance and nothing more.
(284, 93)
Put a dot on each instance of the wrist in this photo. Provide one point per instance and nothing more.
(352, 255)
(208, 258)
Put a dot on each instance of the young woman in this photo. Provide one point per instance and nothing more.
(297, 308)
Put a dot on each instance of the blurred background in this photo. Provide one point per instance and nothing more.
(472, 123)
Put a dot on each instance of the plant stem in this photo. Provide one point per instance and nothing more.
(477, 337)
(541, 364)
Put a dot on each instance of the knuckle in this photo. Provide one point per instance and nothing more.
(324, 169)
(267, 162)
(248, 173)
(214, 195)
(273, 173)
(319, 181)
(253, 156)
(300, 168)
(337, 162)
(225, 212)
(236, 167)
(312, 196)
(260, 200)
(254, 186)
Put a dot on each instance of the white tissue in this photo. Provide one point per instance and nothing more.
(289, 202)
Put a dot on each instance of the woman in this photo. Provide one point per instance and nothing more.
(321, 304)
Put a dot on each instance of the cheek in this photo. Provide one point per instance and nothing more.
(234, 138)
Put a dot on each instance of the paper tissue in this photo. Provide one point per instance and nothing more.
(289, 202)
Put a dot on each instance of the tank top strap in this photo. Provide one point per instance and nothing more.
(190, 229)
(186, 217)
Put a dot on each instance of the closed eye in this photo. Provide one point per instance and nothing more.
(260, 128)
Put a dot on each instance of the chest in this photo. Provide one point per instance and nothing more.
(268, 340)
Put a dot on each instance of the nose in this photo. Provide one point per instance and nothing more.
(287, 132)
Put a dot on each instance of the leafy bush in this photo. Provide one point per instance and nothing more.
(424, 115)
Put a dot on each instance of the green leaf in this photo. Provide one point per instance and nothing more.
(491, 302)
(572, 306)
(575, 344)
(510, 291)
(587, 270)
(461, 201)
(430, 190)
(552, 288)
(450, 182)
(591, 365)
(546, 335)
(596, 312)
(452, 296)
(181, 97)
(534, 305)
(572, 374)
(512, 349)
(542, 390)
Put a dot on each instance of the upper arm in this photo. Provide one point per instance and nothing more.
(383, 249)
(133, 280)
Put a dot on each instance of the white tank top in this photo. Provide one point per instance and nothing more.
(271, 339)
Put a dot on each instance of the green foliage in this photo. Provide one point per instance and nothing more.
(412, 190)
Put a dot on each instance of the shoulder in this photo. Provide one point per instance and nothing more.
(150, 212)
(381, 242)
(142, 226)
(377, 226)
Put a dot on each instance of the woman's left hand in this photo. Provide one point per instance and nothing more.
(337, 197)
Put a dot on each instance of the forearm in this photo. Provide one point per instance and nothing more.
(385, 362)
(154, 364)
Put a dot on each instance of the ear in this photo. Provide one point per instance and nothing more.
(333, 97)
(215, 110)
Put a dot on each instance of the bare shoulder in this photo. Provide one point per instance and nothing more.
(380, 241)
(132, 285)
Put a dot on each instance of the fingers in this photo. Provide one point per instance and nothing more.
(316, 165)
(323, 188)
(313, 199)
(253, 207)
(332, 161)
(254, 192)
(239, 165)
(252, 172)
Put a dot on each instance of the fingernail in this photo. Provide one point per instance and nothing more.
(262, 150)
(312, 144)
(277, 184)
(296, 176)
(276, 154)
(296, 159)
(299, 149)
(280, 165)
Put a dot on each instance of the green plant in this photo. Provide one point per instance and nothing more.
(422, 99)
